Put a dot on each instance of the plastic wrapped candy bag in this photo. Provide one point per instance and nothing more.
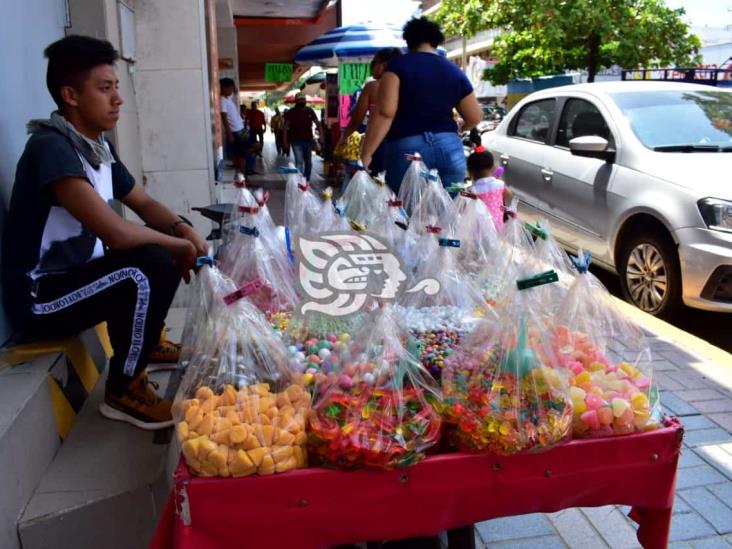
(435, 207)
(208, 284)
(549, 255)
(384, 411)
(439, 317)
(328, 219)
(610, 396)
(476, 232)
(503, 389)
(364, 200)
(254, 259)
(514, 255)
(413, 183)
(418, 247)
(392, 224)
(301, 204)
(265, 217)
(239, 409)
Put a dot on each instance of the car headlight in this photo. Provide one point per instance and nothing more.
(717, 214)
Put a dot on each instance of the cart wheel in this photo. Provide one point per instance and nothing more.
(461, 538)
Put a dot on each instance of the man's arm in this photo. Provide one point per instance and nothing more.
(160, 218)
(359, 112)
(82, 201)
(470, 111)
(387, 104)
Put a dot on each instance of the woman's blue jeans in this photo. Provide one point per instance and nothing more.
(441, 151)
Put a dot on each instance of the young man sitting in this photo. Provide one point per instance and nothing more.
(69, 261)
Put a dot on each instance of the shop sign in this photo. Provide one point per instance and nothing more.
(278, 72)
(351, 76)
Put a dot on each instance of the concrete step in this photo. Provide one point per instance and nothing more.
(28, 438)
(106, 487)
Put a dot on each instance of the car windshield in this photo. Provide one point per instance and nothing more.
(694, 120)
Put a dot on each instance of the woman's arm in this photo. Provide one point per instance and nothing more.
(386, 108)
(362, 106)
(470, 111)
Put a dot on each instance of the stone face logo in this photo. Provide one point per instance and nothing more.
(341, 272)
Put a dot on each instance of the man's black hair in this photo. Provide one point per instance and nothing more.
(420, 30)
(227, 82)
(254, 104)
(384, 55)
(70, 60)
(480, 161)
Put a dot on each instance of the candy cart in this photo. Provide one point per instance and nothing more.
(318, 508)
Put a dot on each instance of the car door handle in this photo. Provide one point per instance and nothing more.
(504, 159)
(547, 174)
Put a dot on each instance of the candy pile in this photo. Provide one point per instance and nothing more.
(383, 411)
(608, 399)
(498, 411)
(240, 433)
(367, 426)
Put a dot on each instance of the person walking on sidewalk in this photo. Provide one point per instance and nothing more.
(417, 94)
(256, 124)
(276, 124)
(299, 122)
(69, 260)
(237, 137)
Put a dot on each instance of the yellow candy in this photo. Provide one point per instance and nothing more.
(620, 406)
(583, 377)
(639, 401)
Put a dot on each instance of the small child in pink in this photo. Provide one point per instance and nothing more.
(491, 190)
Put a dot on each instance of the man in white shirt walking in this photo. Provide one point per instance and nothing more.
(237, 141)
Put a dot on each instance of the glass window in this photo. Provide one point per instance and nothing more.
(580, 118)
(697, 119)
(535, 120)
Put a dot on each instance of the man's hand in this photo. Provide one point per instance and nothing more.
(185, 255)
(184, 230)
(229, 136)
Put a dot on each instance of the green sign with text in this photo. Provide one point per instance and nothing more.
(351, 76)
(278, 72)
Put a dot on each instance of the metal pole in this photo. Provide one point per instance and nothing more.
(464, 60)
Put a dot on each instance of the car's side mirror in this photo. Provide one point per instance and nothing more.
(592, 146)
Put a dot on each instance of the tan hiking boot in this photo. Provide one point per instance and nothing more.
(138, 405)
(165, 352)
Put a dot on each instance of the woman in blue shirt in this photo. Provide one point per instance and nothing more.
(417, 94)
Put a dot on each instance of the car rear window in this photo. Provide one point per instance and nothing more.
(534, 121)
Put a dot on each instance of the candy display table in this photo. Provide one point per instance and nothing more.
(316, 508)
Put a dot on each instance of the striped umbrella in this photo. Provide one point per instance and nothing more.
(353, 43)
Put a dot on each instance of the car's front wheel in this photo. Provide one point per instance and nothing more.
(650, 275)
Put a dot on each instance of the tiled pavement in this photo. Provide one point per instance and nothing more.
(697, 387)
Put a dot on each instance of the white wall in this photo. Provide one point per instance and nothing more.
(171, 88)
(26, 28)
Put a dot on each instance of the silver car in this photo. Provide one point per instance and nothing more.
(640, 174)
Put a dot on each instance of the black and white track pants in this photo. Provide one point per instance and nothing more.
(130, 289)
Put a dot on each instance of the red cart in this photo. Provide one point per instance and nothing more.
(316, 508)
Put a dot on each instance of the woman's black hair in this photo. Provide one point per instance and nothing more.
(385, 55)
(480, 161)
(70, 60)
(421, 30)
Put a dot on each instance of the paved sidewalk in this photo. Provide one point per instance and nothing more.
(696, 385)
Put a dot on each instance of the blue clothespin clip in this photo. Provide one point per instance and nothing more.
(287, 169)
(204, 260)
(449, 242)
(582, 261)
(288, 243)
(249, 231)
(429, 176)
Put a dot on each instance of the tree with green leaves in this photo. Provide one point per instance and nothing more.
(542, 37)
